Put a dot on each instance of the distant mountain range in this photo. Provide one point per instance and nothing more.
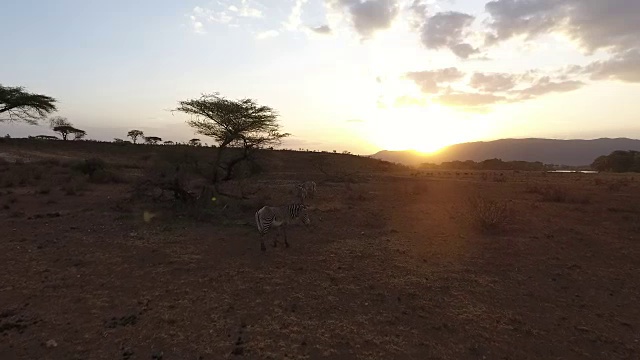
(548, 151)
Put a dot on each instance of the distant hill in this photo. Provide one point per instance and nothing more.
(548, 151)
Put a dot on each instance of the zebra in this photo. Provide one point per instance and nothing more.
(310, 187)
(301, 193)
(276, 216)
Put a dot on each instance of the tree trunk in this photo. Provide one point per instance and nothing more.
(235, 162)
(216, 164)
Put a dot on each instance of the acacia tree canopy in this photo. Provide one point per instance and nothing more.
(242, 123)
(233, 122)
(152, 139)
(62, 126)
(16, 104)
(135, 134)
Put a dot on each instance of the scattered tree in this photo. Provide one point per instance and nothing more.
(152, 140)
(618, 161)
(79, 134)
(194, 142)
(16, 104)
(58, 121)
(45, 137)
(62, 126)
(135, 134)
(242, 123)
(168, 142)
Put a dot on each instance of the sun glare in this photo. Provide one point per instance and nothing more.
(423, 129)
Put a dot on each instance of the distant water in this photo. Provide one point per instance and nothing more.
(574, 171)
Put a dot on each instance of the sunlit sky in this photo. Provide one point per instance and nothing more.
(351, 75)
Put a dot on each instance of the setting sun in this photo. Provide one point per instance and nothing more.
(424, 129)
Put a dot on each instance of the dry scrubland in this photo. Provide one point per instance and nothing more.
(397, 264)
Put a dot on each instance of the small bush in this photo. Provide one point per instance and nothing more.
(49, 161)
(618, 184)
(89, 166)
(106, 177)
(489, 215)
(554, 194)
(75, 186)
(44, 189)
(560, 194)
(9, 180)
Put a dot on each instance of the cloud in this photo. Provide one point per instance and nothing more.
(593, 24)
(226, 12)
(448, 30)
(429, 81)
(197, 26)
(246, 10)
(295, 18)
(623, 67)
(493, 82)
(469, 100)
(406, 101)
(267, 34)
(545, 86)
(369, 16)
(323, 29)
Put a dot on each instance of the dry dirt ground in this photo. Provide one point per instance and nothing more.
(393, 267)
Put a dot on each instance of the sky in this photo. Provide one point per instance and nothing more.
(355, 75)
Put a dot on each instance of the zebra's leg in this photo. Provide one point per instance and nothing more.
(262, 247)
(286, 243)
(275, 239)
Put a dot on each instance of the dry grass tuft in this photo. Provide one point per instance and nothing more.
(556, 193)
(491, 216)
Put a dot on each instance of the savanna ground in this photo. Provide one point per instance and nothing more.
(396, 265)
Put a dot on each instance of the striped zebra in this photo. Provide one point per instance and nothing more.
(302, 193)
(280, 217)
(310, 187)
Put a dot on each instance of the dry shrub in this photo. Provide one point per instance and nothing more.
(618, 184)
(500, 178)
(490, 215)
(559, 194)
(75, 186)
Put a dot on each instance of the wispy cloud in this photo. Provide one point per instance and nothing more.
(368, 16)
(295, 17)
(196, 25)
(323, 29)
(267, 34)
(223, 12)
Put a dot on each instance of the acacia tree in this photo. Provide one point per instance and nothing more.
(152, 140)
(62, 126)
(135, 134)
(241, 123)
(79, 134)
(16, 104)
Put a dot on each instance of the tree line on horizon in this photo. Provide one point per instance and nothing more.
(247, 125)
(619, 161)
(239, 123)
(489, 164)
